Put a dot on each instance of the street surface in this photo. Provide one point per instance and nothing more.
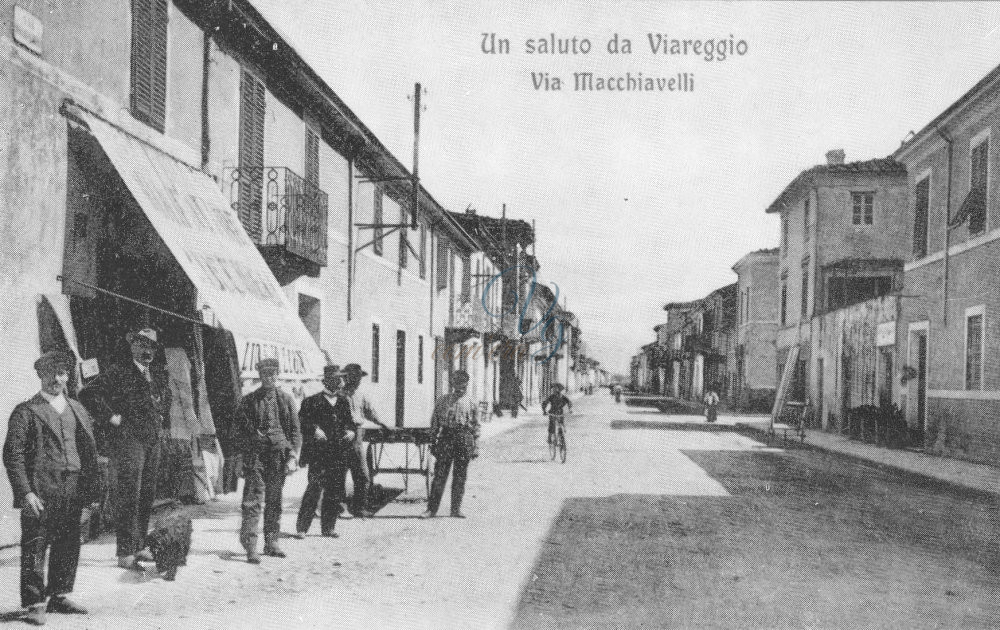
(653, 521)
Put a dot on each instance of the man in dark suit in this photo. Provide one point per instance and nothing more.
(135, 400)
(51, 460)
(271, 438)
(326, 432)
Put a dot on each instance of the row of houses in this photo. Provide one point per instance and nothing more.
(882, 294)
(176, 163)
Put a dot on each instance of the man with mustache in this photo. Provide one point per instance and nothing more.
(51, 460)
(136, 399)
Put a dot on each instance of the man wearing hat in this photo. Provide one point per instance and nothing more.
(134, 402)
(554, 406)
(455, 427)
(271, 439)
(326, 430)
(359, 409)
(51, 460)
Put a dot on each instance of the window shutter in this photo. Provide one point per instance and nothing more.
(312, 157)
(423, 251)
(920, 218)
(149, 62)
(442, 263)
(404, 254)
(251, 180)
(466, 278)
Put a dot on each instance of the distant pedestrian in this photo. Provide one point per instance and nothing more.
(455, 427)
(711, 404)
(618, 392)
(326, 431)
(133, 400)
(360, 410)
(271, 439)
(51, 460)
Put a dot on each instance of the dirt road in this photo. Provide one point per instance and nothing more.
(643, 526)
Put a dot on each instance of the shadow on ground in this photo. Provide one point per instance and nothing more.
(805, 540)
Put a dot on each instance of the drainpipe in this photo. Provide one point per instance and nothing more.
(350, 234)
(947, 230)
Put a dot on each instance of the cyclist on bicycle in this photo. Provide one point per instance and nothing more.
(553, 406)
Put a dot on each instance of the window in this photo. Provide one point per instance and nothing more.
(784, 299)
(980, 170)
(420, 358)
(974, 348)
(251, 180)
(864, 203)
(423, 251)
(784, 233)
(678, 341)
(805, 220)
(375, 352)
(466, 278)
(377, 220)
(404, 241)
(312, 157)
(805, 287)
(443, 256)
(148, 101)
(922, 195)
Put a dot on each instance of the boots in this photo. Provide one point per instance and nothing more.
(271, 546)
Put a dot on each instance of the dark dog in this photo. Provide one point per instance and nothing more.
(170, 543)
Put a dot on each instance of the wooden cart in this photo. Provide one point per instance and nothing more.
(416, 458)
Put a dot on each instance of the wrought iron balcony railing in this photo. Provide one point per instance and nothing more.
(281, 210)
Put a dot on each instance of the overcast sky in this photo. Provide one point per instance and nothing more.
(640, 198)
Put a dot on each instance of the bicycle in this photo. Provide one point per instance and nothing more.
(557, 441)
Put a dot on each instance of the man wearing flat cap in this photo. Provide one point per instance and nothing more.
(326, 431)
(269, 431)
(455, 427)
(133, 403)
(358, 410)
(51, 460)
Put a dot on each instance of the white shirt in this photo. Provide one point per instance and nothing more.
(58, 402)
(144, 369)
(330, 397)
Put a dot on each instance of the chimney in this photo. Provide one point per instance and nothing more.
(835, 157)
(470, 210)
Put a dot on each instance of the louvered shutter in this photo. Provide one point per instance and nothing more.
(312, 157)
(404, 254)
(377, 220)
(443, 253)
(149, 62)
(251, 180)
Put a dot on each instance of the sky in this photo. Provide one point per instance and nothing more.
(639, 197)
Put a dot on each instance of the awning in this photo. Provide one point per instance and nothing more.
(236, 289)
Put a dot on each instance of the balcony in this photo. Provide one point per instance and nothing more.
(285, 216)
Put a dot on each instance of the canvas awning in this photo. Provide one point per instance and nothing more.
(235, 288)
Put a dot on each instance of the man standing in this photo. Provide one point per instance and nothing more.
(455, 427)
(326, 430)
(51, 460)
(271, 439)
(137, 399)
(360, 410)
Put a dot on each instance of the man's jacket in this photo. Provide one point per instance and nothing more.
(143, 405)
(33, 456)
(333, 420)
(249, 417)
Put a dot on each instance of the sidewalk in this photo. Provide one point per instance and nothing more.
(978, 477)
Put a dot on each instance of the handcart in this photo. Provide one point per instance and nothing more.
(416, 456)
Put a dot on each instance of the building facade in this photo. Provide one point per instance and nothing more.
(949, 328)
(755, 377)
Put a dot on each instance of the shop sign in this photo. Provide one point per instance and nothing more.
(886, 334)
(293, 361)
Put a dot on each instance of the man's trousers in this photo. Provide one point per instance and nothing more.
(58, 531)
(136, 466)
(441, 467)
(263, 483)
(355, 460)
(322, 482)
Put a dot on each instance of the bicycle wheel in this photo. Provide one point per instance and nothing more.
(553, 447)
(562, 445)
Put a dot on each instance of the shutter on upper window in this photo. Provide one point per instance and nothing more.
(149, 62)
(251, 180)
(312, 157)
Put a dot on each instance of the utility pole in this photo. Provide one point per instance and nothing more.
(414, 204)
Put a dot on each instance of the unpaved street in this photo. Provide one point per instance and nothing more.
(644, 526)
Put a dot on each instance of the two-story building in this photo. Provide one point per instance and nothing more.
(842, 244)
(755, 377)
(949, 325)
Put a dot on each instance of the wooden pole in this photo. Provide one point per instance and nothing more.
(414, 204)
